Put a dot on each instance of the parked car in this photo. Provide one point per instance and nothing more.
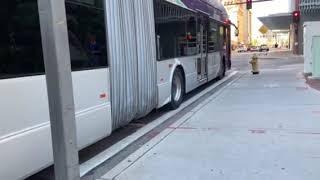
(264, 48)
(254, 48)
(242, 49)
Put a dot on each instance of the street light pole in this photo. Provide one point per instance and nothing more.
(59, 86)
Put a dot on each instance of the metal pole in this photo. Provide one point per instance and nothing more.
(60, 91)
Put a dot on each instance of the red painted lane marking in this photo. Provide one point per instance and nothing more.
(210, 129)
(257, 131)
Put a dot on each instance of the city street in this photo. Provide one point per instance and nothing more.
(160, 89)
(256, 127)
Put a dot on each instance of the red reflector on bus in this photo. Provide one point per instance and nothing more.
(102, 96)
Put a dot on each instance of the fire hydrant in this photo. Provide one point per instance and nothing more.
(255, 64)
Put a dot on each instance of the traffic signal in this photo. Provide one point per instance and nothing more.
(227, 22)
(296, 16)
(249, 4)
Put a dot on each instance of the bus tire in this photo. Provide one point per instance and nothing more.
(222, 71)
(177, 89)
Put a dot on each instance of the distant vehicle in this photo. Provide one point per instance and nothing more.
(242, 49)
(254, 48)
(264, 48)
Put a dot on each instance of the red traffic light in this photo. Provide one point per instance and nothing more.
(227, 21)
(296, 16)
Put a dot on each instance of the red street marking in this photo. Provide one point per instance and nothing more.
(257, 131)
(301, 88)
(210, 129)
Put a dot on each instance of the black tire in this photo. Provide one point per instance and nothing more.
(222, 71)
(177, 89)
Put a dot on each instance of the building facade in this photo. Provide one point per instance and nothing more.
(242, 18)
(310, 11)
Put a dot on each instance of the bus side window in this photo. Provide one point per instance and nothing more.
(87, 38)
(176, 28)
(20, 39)
(212, 37)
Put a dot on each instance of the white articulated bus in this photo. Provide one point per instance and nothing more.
(127, 57)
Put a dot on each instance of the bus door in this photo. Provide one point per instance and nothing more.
(202, 44)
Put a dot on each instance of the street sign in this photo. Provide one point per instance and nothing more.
(263, 29)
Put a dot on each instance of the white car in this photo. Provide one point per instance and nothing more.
(242, 49)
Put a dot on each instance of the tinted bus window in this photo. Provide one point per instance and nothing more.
(175, 30)
(20, 39)
(213, 37)
(86, 29)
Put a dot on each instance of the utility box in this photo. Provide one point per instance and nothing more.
(310, 30)
(315, 57)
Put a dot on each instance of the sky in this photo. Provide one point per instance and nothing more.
(264, 9)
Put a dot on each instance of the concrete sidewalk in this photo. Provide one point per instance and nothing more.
(264, 127)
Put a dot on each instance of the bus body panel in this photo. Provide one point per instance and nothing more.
(26, 139)
(189, 65)
(165, 71)
(214, 60)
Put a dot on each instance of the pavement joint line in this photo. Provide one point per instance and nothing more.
(159, 137)
(117, 155)
(103, 156)
(252, 130)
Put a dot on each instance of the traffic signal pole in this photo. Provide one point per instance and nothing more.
(59, 87)
(296, 21)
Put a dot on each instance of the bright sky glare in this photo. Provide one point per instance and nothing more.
(264, 9)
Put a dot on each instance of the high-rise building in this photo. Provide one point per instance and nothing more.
(242, 18)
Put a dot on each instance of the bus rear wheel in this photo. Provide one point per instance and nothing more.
(177, 89)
